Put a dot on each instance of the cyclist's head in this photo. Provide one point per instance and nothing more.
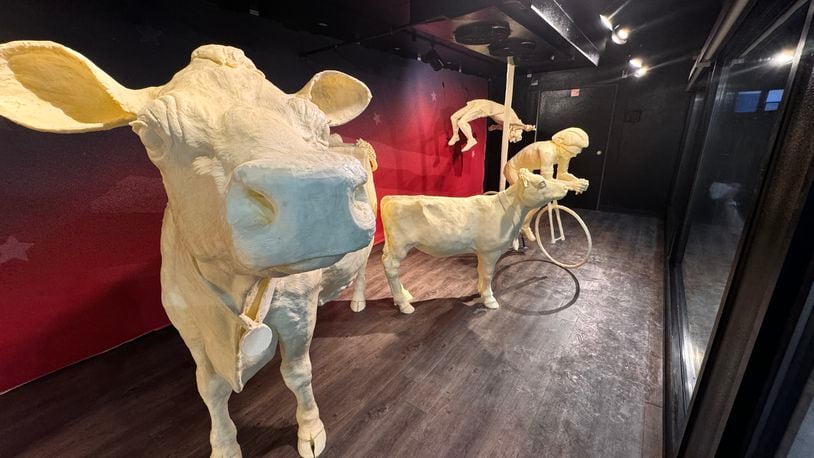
(572, 139)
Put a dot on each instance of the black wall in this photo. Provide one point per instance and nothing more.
(642, 156)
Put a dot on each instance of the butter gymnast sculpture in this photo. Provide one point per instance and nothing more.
(481, 108)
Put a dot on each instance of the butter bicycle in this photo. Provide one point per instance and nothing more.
(550, 230)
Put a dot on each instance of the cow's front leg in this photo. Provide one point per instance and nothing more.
(295, 327)
(391, 259)
(215, 391)
(486, 270)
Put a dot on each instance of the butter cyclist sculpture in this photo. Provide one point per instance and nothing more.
(563, 146)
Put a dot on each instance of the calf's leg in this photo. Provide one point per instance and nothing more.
(357, 302)
(215, 392)
(392, 256)
(294, 325)
(486, 270)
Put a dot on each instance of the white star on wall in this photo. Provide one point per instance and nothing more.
(149, 34)
(434, 96)
(14, 249)
(377, 118)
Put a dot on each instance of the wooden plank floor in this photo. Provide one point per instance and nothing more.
(570, 366)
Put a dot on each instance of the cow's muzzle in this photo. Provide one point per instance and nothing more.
(298, 216)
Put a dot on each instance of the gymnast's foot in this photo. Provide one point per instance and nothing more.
(469, 144)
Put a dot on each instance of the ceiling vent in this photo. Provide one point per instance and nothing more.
(512, 47)
(482, 33)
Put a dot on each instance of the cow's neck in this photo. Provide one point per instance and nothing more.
(219, 284)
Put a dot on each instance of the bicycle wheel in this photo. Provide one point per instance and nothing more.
(562, 236)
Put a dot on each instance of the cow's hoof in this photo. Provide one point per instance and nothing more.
(358, 305)
(226, 451)
(313, 447)
(469, 144)
(515, 244)
(453, 140)
(406, 308)
(491, 303)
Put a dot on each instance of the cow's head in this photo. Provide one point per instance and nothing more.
(246, 167)
(534, 191)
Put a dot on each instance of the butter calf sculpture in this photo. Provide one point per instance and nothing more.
(263, 220)
(447, 226)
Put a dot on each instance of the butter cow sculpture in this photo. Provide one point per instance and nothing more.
(445, 226)
(563, 146)
(261, 215)
(481, 108)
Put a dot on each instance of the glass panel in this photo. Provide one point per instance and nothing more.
(747, 101)
(733, 161)
(773, 99)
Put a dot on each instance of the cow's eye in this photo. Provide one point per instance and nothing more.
(152, 141)
(309, 121)
(159, 127)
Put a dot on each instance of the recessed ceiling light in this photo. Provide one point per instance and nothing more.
(606, 22)
(620, 36)
(784, 57)
(641, 72)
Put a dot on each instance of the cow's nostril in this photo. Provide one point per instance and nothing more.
(265, 208)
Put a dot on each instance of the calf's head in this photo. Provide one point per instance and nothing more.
(535, 191)
(247, 170)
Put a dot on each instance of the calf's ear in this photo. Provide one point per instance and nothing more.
(48, 87)
(341, 97)
(523, 173)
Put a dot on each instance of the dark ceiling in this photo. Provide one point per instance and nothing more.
(661, 30)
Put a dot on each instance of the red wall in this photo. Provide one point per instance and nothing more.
(408, 125)
(80, 215)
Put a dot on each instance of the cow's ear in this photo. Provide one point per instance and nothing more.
(48, 87)
(341, 97)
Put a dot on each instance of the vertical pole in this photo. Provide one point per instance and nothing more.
(507, 109)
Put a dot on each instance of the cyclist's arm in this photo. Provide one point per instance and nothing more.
(562, 171)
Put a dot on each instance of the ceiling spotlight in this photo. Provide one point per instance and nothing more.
(431, 57)
(606, 22)
(620, 36)
(641, 72)
(784, 57)
(636, 62)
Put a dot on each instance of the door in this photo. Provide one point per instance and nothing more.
(591, 109)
